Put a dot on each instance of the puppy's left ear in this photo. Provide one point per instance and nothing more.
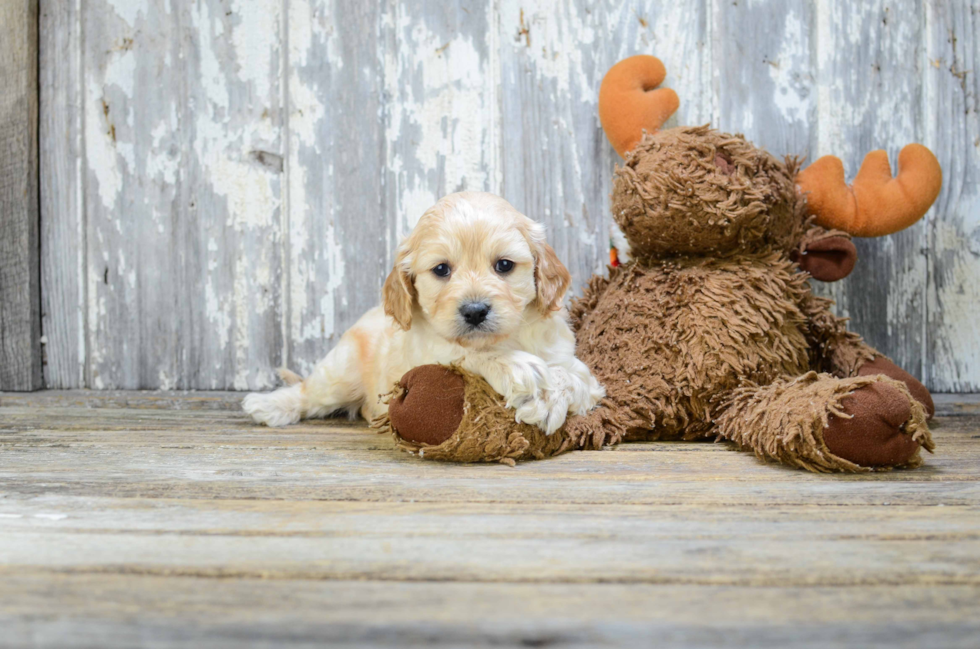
(399, 294)
(551, 278)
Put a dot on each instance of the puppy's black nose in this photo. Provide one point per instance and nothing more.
(474, 312)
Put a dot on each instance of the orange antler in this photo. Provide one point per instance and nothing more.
(875, 204)
(629, 101)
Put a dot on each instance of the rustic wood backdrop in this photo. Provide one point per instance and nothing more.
(223, 182)
(20, 308)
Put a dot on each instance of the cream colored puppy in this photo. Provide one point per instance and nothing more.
(476, 284)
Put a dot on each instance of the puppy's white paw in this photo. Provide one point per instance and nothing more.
(547, 412)
(581, 390)
(275, 409)
(588, 398)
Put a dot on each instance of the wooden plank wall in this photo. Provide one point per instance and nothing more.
(223, 181)
(20, 301)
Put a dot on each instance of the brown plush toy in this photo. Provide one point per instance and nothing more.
(711, 330)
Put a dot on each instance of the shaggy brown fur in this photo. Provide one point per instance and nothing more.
(698, 191)
(666, 339)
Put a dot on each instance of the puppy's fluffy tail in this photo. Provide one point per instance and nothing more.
(289, 377)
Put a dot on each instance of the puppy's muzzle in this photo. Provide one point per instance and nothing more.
(475, 314)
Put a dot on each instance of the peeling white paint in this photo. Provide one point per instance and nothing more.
(96, 314)
(252, 202)
(306, 110)
(216, 310)
(548, 35)
(120, 71)
(256, 41)
(99, 147)
(166, 382)
(130, 10)
(303, 327)
(790, 74)
(440, 113)
(160, 163)
(212, 77)
(242, 315)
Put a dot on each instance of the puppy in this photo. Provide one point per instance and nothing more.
(475, 284)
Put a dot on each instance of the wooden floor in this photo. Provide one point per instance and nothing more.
(148, 519)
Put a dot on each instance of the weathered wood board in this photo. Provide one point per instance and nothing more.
(20, 281)
(63, 267)
(223, 182)
(951, 91)
(97, 610)
(165, 520)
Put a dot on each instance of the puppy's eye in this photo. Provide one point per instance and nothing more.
(503, 266)
(442, 270)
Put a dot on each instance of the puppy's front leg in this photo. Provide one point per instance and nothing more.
(525, 382)
(576, 385)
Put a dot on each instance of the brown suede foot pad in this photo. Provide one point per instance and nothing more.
(429, 408)
(884, 365)
(873, 436)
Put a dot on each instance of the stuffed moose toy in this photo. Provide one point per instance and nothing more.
(711, 330)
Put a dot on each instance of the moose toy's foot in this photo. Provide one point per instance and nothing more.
(874, 435)
(823, 423)
(428, 407)
(884, 365)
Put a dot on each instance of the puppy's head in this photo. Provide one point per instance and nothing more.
(475, 268)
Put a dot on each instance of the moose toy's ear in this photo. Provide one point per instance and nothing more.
(828, 258)
(875, 204)
(630, 101)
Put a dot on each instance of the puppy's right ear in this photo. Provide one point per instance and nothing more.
(399, 294)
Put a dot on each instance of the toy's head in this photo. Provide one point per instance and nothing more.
(696, 191)
(693, 191)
